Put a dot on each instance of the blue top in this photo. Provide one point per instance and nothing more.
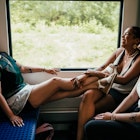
(10, 76)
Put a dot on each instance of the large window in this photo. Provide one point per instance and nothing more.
(64, 34)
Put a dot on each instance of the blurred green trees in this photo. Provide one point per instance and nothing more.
(64, 33)
(66, 13)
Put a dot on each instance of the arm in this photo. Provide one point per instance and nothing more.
(126, 117)
(122, 117)
(27, 69)
(100, 72)
(120, 79)
(118, 114)
(16, 120)
(128, 101)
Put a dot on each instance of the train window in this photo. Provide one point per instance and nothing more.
(64, 34)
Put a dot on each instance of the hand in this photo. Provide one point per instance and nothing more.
(82, 78)
(103, 116)
(91, 72)
(98, 74)
(17, 121)
(51, 71)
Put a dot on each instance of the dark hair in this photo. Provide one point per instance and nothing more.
(136, 31)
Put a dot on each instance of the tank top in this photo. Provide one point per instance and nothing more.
(138, 92)
(125, 88)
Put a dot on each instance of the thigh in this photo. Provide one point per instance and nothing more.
(42, 92)
(106, 103)
(110, 101)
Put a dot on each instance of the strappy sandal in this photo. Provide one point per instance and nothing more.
(110, 80)
(44, 132)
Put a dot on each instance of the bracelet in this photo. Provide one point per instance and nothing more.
(113, 118)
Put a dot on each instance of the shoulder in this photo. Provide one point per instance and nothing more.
(4, 53)
(119, 51)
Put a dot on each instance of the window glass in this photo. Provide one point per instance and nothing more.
(64, 34)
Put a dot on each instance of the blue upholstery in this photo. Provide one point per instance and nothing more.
(27, 132)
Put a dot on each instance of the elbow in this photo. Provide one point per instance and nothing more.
(133, 96)
(133, 99)
(1, 96)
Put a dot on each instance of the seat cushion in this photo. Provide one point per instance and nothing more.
(27, 132)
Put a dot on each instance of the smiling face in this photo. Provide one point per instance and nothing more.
(130, 37)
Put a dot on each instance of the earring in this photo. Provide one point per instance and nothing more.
(138, 47)
(135, 46)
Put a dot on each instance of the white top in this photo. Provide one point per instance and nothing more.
(138, 91)
(126, 88)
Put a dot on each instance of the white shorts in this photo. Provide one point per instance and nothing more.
(18, 101)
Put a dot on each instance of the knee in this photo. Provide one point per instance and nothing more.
(55, 79)
(89, 96)
(86, 96)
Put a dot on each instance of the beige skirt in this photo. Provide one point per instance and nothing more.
(18, 101)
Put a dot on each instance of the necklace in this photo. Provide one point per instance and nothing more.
(133, 54)
(127, 57)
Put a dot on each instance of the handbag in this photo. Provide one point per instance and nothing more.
(44, 132)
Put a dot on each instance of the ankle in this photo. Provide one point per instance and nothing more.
(104, 82)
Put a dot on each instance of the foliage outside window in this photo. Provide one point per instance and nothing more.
(64, 34)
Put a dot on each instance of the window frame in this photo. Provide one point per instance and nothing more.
(64, 69)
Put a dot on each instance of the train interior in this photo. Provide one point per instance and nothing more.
(63, 114)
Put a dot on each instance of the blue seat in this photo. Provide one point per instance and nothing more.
(27, 132)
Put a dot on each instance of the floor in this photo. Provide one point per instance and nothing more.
(69, 134)
(58, 135)
(64, 135)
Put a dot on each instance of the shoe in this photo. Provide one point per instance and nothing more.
(109, 80)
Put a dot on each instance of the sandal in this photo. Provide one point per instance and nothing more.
(109, 80)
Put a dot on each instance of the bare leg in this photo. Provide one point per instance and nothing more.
(85, 79)
(87, 110)
(93, 103)
(54, 89)
(106, 103)
(73, 93)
